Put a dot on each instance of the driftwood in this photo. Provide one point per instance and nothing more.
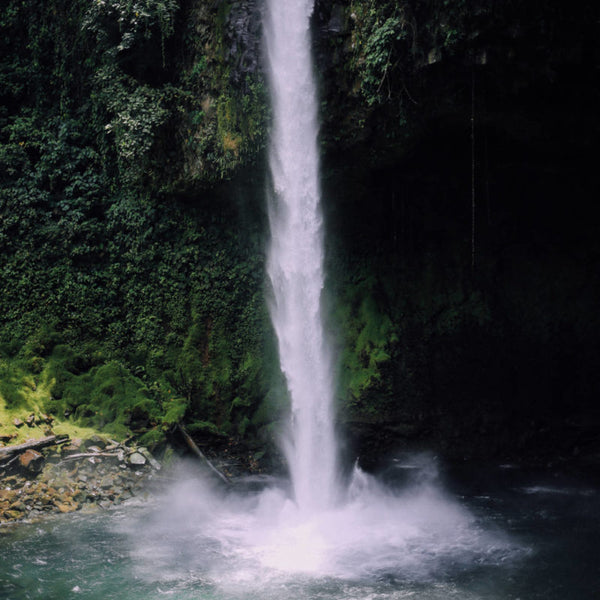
(51, 440)
(88, 454)
(194, 448)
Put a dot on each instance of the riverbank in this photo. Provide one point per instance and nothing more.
(72, 474)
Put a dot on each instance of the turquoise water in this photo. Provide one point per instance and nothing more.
(504, 534)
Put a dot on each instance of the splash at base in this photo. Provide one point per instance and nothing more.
(407, 529)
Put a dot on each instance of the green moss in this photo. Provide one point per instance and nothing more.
(243, 426)
(175, 409)
(241, 123)
(368, 335)
(124, 278)
(12, 388)
(22, 393)
(152, 438)
(109, 397)
(205, 427)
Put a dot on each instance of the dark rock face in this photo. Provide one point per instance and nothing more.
(243, 36)
(458, 183)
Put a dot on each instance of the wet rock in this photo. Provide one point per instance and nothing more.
(7, 495)
(146, 454)
(18, 505)
(136, 459)
(80, 494)
(95, 441)
(66, 508)
(243, 34)
(107, 482)
(73, 447)
(336, 22)
(32, 461)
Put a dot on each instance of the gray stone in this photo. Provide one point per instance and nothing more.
(136, 459)
(107, 482)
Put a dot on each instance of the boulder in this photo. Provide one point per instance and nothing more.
(13, 514)
(66, 507)
(136, 459)
(18, 505)
(7, 495)
(32, 461)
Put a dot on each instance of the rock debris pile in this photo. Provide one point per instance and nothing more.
(58, 474)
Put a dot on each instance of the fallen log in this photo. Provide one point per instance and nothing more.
(194, 448)
(51, 440)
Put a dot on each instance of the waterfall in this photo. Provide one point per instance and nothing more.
(295, 255)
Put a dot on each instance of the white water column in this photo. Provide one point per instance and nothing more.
(295, 257)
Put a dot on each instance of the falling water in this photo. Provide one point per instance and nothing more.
(295, 261)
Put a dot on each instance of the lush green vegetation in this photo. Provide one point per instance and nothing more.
(131, 294)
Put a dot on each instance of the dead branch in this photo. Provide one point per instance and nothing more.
(194, 448)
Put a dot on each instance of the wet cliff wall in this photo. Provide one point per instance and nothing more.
(466, 229)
